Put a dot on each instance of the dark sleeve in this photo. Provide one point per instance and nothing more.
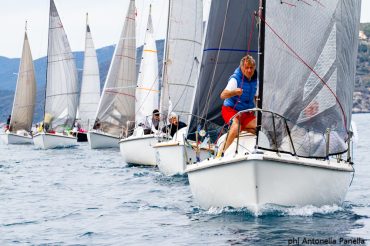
(164, 129)
(182, 124)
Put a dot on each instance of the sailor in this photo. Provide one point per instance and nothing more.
(240, 94)
(174, 125)
(153, 125)
(7, 127)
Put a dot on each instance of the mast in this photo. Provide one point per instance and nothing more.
(47, 64)
(261, 60)
(164, 92)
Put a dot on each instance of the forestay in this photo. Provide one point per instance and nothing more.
(310, 54)
(25, 93)
(182, 51)
(90, 86)
(117, 103)
(147, 91)
(61, 81)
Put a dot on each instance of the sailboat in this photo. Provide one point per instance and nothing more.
(90, 88)
(24, 100)
(116, 110)
(61, 92)
(147, 99)
(183, 44)
(301, 154)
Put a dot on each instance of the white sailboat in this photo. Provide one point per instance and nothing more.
(183, 45)
(116, 110)
(90, 88)
(24, 100)
(61, 96)
(147, 99)
(301, 154)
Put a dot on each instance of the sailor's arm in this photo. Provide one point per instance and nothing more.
(227, 94)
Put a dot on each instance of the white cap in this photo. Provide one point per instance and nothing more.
(173, 115)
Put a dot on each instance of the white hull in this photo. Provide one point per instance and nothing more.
(99, 140)
(12, 138)
(172, 158)
(253, 180)
(51, 141)
(139, 150)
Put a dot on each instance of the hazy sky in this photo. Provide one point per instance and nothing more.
(105, 16)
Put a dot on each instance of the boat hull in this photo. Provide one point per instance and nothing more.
(171, 158)
(51, 141)
(99, 140)
(258, 179)
(139, 150)
(12, 138)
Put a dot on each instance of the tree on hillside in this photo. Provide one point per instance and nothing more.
(366, 29)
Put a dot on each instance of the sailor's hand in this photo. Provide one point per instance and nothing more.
(238, 91)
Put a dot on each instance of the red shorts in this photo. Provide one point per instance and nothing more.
(229, 112)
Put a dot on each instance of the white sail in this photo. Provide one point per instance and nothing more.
(61, 95)
(117, 103)
(147, 91)
(90, 86)
(183, 45)
(25, 93)
(317, 46)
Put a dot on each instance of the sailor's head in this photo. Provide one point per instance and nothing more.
(173, 118)
(155, 114)
(248, 65)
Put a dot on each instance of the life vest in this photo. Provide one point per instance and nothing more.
(246, 100)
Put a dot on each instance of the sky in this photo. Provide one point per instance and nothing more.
(106, 19)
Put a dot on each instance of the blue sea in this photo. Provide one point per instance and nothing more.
(79, 196)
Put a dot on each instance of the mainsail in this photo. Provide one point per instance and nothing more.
(147, 91)
(117, 103)
(230, 34)
(61, 95)
(309, 69)
(182, 51)
(90, 86)
(25, 93)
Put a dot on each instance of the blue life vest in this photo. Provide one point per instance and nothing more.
(246, 100)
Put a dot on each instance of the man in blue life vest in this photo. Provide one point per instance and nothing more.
(240, 94)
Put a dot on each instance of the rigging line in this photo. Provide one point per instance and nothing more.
(309, 67)
(147, 94)
(251, 33)
(206, 108)
(319, 2)
(303, 1)
(226, 49)
(289, 4)
(142, 56)
(187, 84)
(194, 63)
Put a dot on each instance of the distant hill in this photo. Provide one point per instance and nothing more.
(361, 95)
(9, 70)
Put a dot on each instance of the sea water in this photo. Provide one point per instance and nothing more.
(79, 196)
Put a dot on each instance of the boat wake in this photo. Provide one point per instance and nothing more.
(276, 210)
